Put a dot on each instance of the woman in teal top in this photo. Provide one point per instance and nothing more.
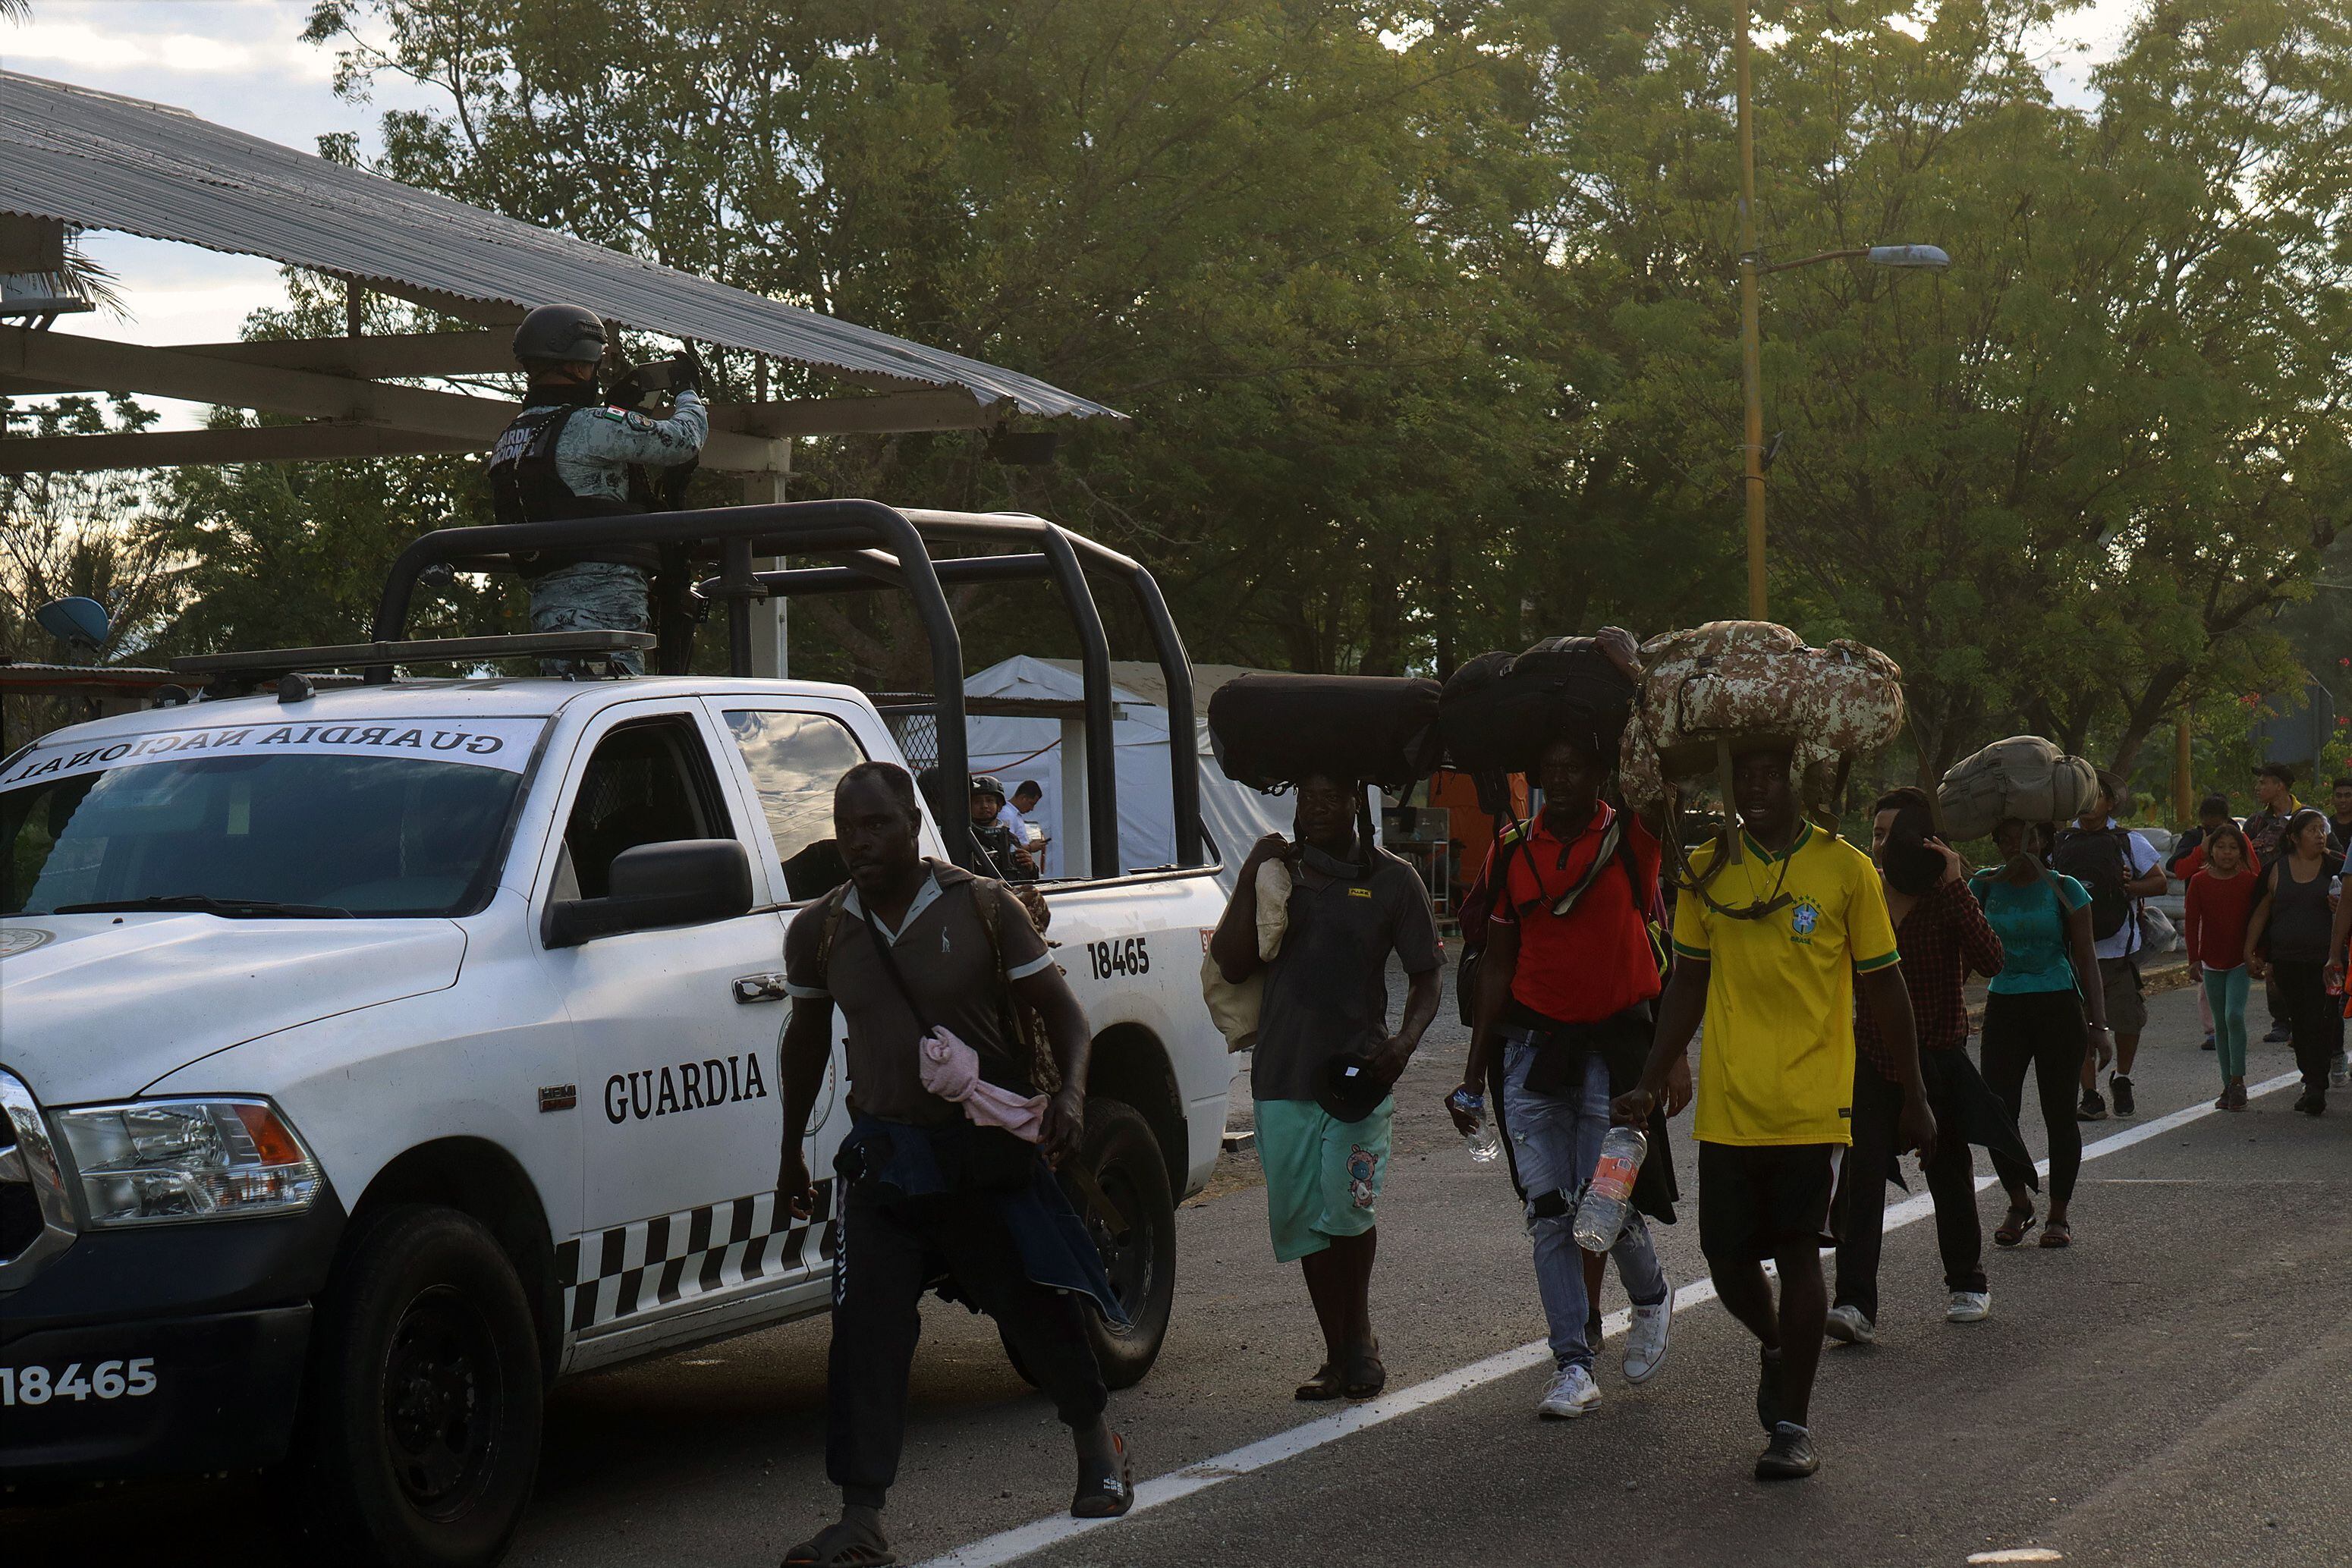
(2033, 1019)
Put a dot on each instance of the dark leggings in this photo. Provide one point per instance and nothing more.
(2043, 1030)
(2311, 1018)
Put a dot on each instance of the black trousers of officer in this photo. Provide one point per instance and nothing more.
(889, 1246)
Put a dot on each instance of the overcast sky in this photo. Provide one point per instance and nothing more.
(242, 63)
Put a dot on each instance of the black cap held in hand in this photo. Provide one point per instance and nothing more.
(1350, 1090)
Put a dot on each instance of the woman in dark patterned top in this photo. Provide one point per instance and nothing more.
(1942, 935)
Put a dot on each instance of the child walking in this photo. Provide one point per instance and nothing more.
(2221, 902)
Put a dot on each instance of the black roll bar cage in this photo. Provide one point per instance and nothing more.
(879, 547)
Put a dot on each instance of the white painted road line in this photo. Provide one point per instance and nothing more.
(1012, 1545)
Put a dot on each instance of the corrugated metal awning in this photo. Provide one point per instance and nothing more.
(102, 161)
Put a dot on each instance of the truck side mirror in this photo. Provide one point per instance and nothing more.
(685, 882)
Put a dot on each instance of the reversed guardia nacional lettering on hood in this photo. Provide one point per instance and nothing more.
(503, 743)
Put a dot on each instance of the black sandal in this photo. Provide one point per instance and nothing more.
(847, 1543)
(1366, 1376)
(1324, 1384)
(2058, 1233)
(2014, 1229)
(1104, 1493)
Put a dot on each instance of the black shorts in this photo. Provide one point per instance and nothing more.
(1763, 1200)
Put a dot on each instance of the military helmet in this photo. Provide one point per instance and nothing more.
(559, 334)
(988, 784)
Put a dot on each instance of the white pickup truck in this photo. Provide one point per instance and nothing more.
(371, 1058)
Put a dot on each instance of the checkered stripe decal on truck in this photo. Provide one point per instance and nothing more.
(670, 1258)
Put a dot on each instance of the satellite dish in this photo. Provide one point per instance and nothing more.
(77, 623)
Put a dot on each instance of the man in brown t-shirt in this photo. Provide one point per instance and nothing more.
(904, 948)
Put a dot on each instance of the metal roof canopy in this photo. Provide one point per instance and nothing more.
(93, 159)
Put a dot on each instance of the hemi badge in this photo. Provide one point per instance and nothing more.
(558, 1097)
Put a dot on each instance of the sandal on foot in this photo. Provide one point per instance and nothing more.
(1366, 1376)
(1324, 1384)
(2057, 1233)
(2013, 1229)
(848, 1543)
(1105, 1491)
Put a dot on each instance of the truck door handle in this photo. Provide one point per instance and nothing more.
(764, 987)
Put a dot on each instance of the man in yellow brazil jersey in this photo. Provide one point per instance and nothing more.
(1771, 954)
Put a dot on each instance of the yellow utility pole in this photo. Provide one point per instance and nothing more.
(1752, 374)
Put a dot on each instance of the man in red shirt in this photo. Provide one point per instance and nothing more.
(1565, 989)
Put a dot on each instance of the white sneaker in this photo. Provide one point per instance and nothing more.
(1969, 1307)
(1848, 1326)
(2339, 1071)
(1571, 1393)
(1645, 1339)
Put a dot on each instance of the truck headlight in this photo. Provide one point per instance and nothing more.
(153, 1161)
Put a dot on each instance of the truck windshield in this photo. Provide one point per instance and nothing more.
(295, 833)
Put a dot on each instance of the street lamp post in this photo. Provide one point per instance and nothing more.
(1752, 337)
(1752, 333)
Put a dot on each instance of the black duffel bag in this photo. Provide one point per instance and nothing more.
(1499, 711)
(1272, 730)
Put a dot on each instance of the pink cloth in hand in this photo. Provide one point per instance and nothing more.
(950, 1069)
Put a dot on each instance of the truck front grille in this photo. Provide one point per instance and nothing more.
(35, 1220)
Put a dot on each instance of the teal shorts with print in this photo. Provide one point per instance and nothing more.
(1323, 1175)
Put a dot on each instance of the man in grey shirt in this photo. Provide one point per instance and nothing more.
(907, 947)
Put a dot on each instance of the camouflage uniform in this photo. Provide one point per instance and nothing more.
(592, 458)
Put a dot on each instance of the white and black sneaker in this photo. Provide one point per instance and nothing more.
(1646, 1338)
(1571, 1393)
(1969, 1307)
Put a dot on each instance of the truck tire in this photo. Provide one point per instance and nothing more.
(1141, 1261)
(423, 1433)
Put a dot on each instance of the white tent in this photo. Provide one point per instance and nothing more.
(1018, 748)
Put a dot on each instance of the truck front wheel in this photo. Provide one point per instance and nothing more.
(1140, 1259)
(424, 1429)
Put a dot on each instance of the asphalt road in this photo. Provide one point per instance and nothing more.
(2177, 1387)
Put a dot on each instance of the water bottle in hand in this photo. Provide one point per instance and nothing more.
(1484, 1140)
(1601, 1217)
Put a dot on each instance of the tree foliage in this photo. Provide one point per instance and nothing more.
(1425, 315)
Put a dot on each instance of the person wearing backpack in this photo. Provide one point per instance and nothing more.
(1567, 989)
(932, 967)
(2033, 1015)
(2117, 868)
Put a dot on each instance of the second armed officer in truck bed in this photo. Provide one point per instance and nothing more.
(568, 455)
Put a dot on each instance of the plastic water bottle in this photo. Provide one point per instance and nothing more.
(1601, 1217)
(1484, 1142)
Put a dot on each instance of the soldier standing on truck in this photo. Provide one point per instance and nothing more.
(912, 950)
(568, 455)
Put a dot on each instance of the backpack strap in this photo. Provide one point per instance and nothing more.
(836, 904)
(1021, 1025)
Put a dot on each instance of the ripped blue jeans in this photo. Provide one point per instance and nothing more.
(1555, 1143)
